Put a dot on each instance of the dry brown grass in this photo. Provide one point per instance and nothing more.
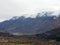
(14, 44)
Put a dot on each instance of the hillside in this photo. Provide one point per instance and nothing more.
(54, 32)
(37, 25)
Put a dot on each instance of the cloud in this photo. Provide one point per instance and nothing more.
(9, 8)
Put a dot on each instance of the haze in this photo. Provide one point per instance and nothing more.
(10, 8)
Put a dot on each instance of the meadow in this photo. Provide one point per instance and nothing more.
(31, 43)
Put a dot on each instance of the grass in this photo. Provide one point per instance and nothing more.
(30, 43)
(12, 43)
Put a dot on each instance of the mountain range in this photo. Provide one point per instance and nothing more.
(37, 25)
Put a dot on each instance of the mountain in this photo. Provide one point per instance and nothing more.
(37, 25)
(53, 34)
(5, 34)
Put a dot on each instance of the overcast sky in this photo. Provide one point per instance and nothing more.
(9, 8)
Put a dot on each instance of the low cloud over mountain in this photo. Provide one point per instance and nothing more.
(37, 25)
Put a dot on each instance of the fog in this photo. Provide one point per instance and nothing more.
(10, 8)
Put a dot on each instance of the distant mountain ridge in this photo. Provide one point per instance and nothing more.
(29, 25)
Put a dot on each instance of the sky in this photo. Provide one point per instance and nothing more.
(10, 8)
